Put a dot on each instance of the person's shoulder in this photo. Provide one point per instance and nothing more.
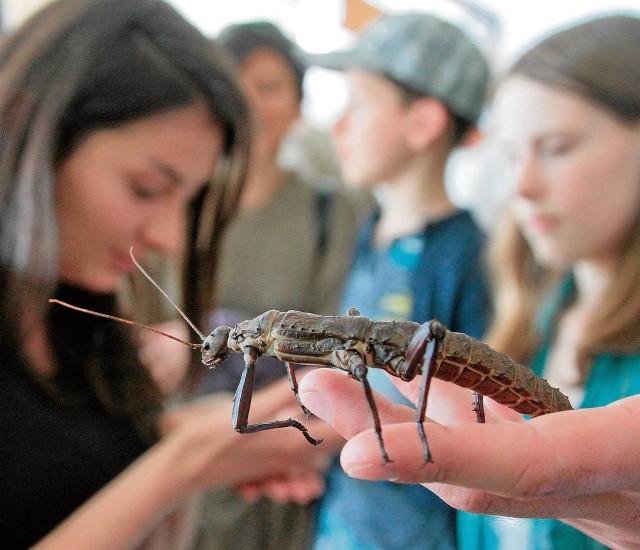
(358, 203)
(460, 225)
(457, 242)
(334, 199)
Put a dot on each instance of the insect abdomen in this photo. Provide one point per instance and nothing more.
(474, 365)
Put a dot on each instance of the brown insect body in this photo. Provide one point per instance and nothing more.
(308, 339)
(354, 343)
(471, 364)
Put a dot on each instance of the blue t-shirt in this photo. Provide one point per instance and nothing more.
(399, 282)
(379, 286)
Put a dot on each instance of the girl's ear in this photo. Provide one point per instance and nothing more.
(428, 121)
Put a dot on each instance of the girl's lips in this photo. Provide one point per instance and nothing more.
(123, 262)
(541, 223)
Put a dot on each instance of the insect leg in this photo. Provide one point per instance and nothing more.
(242, 404)
(294, 387)
(359, 371)
(435, 335)
(478, 406)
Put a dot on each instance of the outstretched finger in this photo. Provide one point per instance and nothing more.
(478, 456)
(565, 454)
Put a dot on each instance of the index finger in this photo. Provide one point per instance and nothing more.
(565, 454)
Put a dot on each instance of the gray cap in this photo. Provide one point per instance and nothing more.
(424, 53)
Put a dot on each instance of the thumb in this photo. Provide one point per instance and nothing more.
(271, 399)
(340, 401)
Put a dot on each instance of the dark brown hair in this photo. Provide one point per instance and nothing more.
(242, 39)
(81, 65)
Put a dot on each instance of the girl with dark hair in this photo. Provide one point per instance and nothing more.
(114, 115)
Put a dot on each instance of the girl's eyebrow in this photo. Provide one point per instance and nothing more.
(169, 172)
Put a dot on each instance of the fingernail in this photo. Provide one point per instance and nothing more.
(316, 403)
(372, 471)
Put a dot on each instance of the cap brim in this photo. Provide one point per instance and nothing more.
(343, 60)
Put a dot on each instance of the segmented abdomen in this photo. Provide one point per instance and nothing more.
(474, 365)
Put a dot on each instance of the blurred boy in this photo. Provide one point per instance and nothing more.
(417, 87)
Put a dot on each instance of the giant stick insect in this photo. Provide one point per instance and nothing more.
(353, 344)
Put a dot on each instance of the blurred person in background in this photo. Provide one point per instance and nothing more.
(417, 87)
(288, 247)
(114, 115)
(566, 265)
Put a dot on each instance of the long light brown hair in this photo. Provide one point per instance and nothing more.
(598, 59)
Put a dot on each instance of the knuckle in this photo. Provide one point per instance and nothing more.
(535, 481)
(467, 500)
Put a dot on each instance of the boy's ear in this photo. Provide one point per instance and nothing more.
(428, 121)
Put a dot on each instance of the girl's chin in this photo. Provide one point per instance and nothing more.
(99, 284)
(552, 259)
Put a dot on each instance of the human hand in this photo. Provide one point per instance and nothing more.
(218, 455)
(304, 479)
(199, 450)
(166, 359)
(301, 489)
(580, 466)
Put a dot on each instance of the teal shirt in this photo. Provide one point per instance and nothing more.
(612, 377)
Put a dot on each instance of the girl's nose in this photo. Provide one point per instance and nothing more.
(339, 125)
(528, 179)
(164, 231)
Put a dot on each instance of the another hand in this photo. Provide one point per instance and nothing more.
(303, 477)
(582, 466)
(300, 489)
(199, 450)
(218, 455)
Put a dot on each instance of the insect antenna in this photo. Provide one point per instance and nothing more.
(150, 279)
(126, 321)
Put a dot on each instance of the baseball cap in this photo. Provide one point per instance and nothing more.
(424, 53)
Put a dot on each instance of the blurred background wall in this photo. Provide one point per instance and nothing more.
(502, 28)
(324, 25)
